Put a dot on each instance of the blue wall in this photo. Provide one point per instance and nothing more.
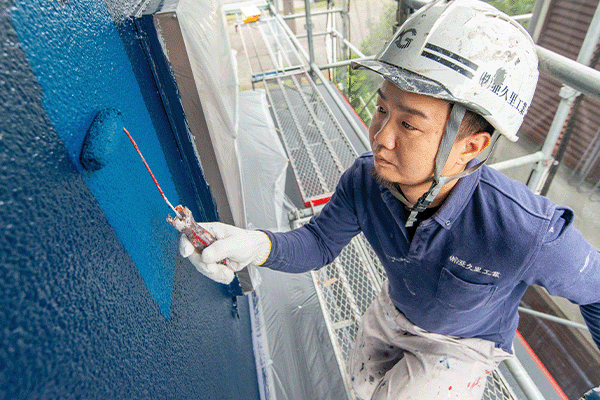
(95, 301)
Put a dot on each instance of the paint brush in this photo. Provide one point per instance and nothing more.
(149, 170)
(183, 220)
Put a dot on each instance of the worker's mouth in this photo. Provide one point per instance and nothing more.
(381, 161)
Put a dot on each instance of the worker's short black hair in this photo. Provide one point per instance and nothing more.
(473, 123)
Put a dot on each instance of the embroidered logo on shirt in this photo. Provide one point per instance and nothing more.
(471, 267)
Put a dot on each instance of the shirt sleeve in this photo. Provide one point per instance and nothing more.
(569, 266)
(591, 315)
(317, 243)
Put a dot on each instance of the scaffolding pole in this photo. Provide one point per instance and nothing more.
(332, 11)
(360, 132)
(523, 379)
(580, 79)
(309, 29)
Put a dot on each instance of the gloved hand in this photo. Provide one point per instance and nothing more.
(217, 272)
(238, 247)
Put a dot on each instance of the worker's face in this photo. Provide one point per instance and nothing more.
(405, 135)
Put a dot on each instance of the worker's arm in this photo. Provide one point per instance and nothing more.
(320, 241)
(567, 265)
(591, 315)
(309, 247)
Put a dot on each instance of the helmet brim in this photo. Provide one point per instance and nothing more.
(414, 83)
(405, 79)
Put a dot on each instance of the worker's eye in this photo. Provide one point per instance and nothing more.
(380, 109)
(407, 125)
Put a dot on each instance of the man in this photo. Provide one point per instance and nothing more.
(460, 242)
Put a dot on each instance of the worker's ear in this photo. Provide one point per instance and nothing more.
(473, 145)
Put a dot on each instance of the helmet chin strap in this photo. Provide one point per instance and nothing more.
(456, 116)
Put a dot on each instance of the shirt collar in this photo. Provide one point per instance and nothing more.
(457, 199)
(451, 207)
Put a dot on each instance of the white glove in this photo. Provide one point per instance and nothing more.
(217, 272)
(238, 247)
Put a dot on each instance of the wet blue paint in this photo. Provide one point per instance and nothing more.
(444, 361)
(195, 189)
(78, 320)
(77, 83)
(102, 140)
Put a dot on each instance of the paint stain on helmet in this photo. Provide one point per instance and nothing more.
(499, 77)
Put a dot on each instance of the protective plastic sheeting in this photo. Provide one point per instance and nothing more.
(263, 163)
(294, 356)
(302, 361)
(202, 28)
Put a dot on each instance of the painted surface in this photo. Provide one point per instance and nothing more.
(94, 301)
(77, 83)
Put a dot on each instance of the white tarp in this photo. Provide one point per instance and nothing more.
(295, 359)
(263, 162)
(203, 28)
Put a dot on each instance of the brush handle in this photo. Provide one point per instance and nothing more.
(196, 234)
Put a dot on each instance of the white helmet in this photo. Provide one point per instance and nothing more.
(470, 54)
(466, 52)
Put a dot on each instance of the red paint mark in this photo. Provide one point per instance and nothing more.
(200, 239)
(450, 388)
(487, 372)
(472, 385)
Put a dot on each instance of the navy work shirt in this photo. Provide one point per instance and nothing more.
(466, 268)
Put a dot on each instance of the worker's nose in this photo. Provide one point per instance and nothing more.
(386, 136)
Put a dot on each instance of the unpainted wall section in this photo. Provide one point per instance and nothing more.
(95, 301)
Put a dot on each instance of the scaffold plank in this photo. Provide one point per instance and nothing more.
(318, 148)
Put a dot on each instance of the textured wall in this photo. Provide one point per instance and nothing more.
(94, 301)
